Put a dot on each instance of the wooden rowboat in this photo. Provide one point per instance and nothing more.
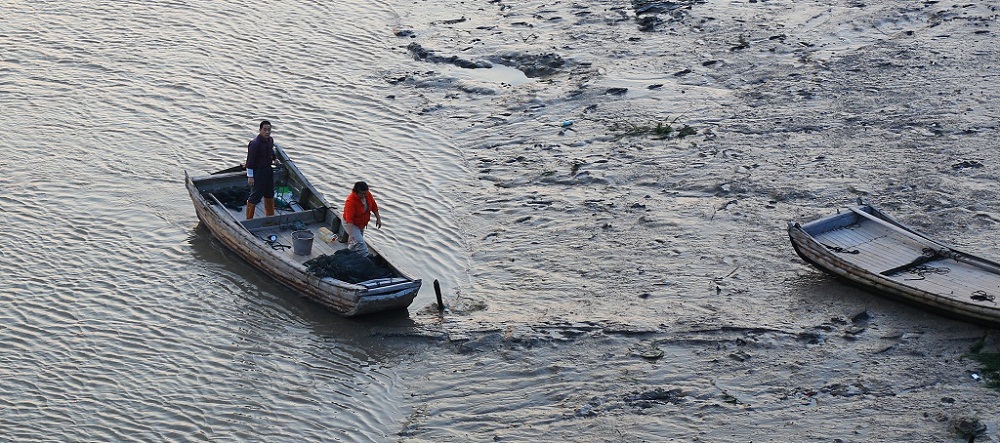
(280, 245)
(871, 249)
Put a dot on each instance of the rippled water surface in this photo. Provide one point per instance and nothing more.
(123, 319)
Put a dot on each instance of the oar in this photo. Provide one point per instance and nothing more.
(236, 168)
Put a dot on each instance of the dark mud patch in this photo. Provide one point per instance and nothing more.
(469, 337)
(967, 164)
(427, 55)
(733, 343)
(532, 65)
(858, 388)
(635, 401)
(968, 427)
(649, 14)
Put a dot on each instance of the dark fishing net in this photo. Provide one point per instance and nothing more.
(347, 266)
(233, 198)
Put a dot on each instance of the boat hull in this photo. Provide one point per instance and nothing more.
(871, 249)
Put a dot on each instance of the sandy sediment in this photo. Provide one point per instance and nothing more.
(634, 283)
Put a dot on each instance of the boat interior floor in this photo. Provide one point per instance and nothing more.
(902, 258)
(286, 221)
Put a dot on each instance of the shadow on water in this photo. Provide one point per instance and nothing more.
(273, 301)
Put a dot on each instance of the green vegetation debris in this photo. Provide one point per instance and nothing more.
(661, 130)
(989, 360)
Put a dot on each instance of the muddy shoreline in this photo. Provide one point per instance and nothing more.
(688, 317)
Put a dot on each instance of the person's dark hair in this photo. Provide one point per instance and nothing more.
(264, 122)
(360, 187)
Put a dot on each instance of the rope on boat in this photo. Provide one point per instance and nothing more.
(921, 271)
(273, 242)
(917, 266)
(841, 250)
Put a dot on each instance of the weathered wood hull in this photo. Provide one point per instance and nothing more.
(873, 250)
(250, 240)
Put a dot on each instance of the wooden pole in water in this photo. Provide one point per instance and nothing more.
(437, 290)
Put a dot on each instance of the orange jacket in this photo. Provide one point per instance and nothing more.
(354, 209)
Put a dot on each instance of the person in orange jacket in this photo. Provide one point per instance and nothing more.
(358, 208)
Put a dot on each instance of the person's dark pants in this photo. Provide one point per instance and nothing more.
(263, 185)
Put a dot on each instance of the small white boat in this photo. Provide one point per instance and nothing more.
(871, 249)
(291, 246)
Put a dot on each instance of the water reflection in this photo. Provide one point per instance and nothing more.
(496, 74)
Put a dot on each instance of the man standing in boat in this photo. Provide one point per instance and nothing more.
(260, 157)
(358, 208)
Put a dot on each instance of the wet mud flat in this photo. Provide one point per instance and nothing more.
(630, 277)
(594, 382)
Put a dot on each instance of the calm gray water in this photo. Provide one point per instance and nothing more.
(122, 319)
